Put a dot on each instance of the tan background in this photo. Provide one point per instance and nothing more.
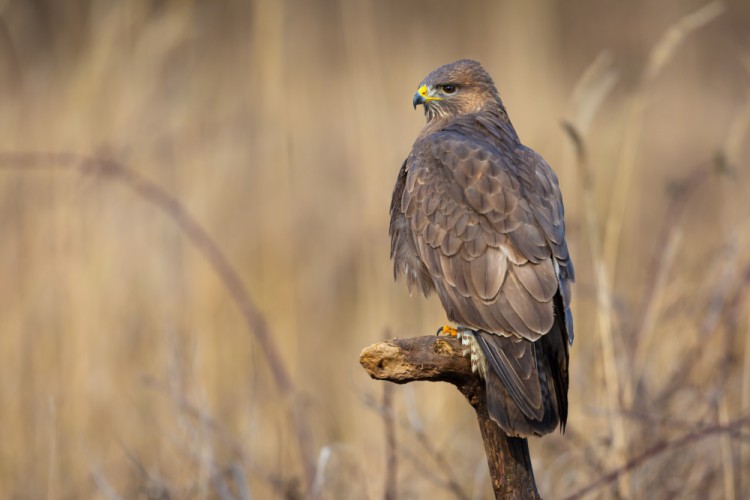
(125, 366)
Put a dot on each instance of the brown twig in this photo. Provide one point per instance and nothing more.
(615, 386)
(686, 439)
(446, 479)
(438, 359)
(205, 244)
(391, 457)
(680, 194)
(282, 485)
(713, 317)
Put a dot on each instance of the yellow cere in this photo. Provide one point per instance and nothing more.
(423, 92)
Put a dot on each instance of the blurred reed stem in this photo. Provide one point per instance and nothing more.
(596, 82)
(604, 311)
(207, 246)
(627, 167)
(621, 200)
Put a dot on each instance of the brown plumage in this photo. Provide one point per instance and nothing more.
(478, 217)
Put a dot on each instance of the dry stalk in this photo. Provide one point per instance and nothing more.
(727, 460)
(745, 400)
(447, 479)
(604, 309)
(735, 140)
(391, 453)
(658, 58)
(686, 439)
(589, 93)
(280, 485)
(206, 245)
(605, 250)
(670, 235)
(103, 486)
(717, 303)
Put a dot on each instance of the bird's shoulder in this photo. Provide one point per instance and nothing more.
(501, 187)
(465, 154)
(461, 193)
(467, 137)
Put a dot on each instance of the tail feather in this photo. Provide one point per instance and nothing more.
(522, 376)
(513, 361)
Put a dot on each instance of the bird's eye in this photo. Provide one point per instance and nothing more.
(449, 89)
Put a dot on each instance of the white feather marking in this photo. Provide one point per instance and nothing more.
(557, 269)
(474, 352)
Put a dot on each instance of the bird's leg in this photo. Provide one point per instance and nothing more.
(472, 350)
(470, 347)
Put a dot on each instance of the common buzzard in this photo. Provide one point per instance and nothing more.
(477, 217)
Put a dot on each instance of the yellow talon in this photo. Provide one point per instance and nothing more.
(448, 330)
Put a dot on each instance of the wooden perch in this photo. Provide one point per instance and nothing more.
(439, 359)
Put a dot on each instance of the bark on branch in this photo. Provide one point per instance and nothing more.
(439, 359)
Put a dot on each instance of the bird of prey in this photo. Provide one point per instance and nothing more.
(477, 217)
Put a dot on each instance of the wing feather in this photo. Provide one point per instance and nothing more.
(536, 316)
(478, 217)
(539, 279)
(488, 273)
(477, 232)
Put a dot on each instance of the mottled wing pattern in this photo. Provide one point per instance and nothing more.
(542, 190)
(486, 224)
(406, 260)
(477, 234)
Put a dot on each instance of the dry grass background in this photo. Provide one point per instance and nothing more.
(126, 368)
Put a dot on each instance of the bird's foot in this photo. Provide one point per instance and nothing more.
(449, 331)
(470, 347)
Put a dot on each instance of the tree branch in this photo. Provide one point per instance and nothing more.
(440, 359)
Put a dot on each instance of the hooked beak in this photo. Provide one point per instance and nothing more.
(422, 96)
(418, 99)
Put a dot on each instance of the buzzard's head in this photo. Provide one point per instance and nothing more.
(458, 88)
